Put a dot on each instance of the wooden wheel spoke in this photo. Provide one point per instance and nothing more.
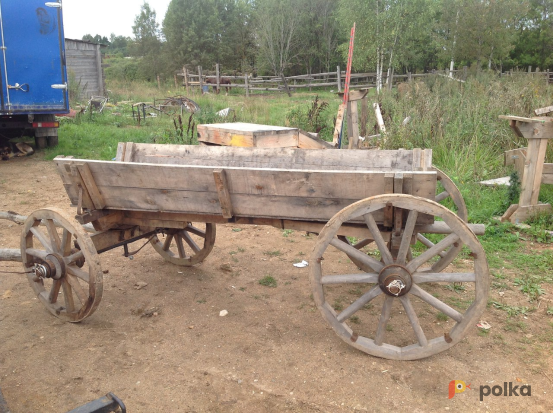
(350, 278)
(431, 252)
(186, 236)
(359, 303)
(441, 196)
(66, 243)
(167, 243)
(180, 246)
(55, 240)
(194, 230)
(432, 277)
(71, 259)
(407, 235)
(79, 273)
(380, 243)
(42, 239)
(353, 252)
(74, 282)
(414, 320)
(434, 302)
(383, 320)
(426, 242)
(68, 296)
(362, 243)
(36, 253)
(54, 291)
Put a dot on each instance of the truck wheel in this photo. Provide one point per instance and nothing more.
(52, 141)
(40, 142)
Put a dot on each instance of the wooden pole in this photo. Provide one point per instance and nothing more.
(185, 71)
(409, 77)
(176, 85)
(246, 84)
(158, 83)
(218, 79)
(285, 84)
(10, 255)
(201, 80)
(364, 115)
(339, 78)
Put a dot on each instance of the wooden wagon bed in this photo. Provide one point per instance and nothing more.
(173, 196)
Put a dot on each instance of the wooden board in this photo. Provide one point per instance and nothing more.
(248, 135)
(280, 158)
(254, 192)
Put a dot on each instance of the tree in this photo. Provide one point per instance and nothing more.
(277, 32)
(479, 30)
(146, 44)
(534, 42)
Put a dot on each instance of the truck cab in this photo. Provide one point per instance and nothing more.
(33, 77)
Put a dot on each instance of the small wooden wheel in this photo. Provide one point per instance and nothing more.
(64, 267)
(188, 246)
(358, 304)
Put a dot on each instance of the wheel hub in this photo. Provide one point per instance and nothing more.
(52, 266)
(395, 280)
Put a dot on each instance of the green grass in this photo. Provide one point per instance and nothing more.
(268, 281)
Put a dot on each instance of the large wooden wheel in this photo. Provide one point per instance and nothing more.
(62, 263)
(359, 304)
(448, 195)
(188, 246)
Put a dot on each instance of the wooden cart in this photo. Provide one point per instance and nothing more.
(175, 195)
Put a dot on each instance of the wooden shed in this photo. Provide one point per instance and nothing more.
(84, 67)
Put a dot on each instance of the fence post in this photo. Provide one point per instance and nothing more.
(175, 78)
(185, 72)
(529, 69)
(217, 74)
(339, 78)
(158, 83)
(247, 88)
(409, 77)
(201, 80)
(465, 72)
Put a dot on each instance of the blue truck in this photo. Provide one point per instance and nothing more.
(33, 76)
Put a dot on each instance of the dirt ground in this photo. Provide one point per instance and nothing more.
(273, 352)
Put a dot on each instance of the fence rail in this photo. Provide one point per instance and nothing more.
(320, 80)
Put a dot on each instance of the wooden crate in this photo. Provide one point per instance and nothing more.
(259, 136)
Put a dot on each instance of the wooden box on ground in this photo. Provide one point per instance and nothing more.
(260, 136)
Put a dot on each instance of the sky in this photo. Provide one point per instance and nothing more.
(104, 17)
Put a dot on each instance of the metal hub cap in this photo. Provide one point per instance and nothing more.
(395, 280)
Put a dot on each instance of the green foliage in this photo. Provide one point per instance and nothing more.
(268, 281)
(530, 286)
(314, 118)
(513, 192)
(512, 311)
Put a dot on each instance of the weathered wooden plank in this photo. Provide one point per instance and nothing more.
(285, 158)
(338, 124)
(543, 111)
(255, 192)
(88, 181)
(248, 134)
(306, 141)
(223, 192)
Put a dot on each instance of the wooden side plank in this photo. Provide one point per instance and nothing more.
(284, 158)
(254, 192)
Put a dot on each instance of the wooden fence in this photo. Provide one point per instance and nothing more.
(333, 80)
